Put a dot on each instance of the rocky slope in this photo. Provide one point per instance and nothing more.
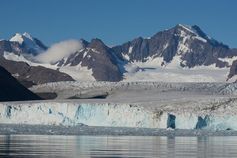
(11, 90)
(98, 58)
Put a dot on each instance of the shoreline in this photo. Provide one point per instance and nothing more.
(23, 129)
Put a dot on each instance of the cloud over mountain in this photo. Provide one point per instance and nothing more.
(59, 51)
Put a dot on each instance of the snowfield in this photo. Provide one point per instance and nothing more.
(211, 106)
(151, 70)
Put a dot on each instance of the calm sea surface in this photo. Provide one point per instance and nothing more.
(117, 146)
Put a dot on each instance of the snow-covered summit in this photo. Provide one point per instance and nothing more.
(20, 38)
(193, 32)
(187, 27)
(33, 45)
(193, 29)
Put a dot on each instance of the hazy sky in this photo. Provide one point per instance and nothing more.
(116, 21)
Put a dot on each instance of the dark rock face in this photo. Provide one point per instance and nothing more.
(233, 70)
(31, 75)
(192, 44)
(11, 90)
(97, 57)
(40, 44)
(8, 46)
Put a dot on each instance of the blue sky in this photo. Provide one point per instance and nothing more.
(116, 21)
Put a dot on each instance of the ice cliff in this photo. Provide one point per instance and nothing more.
(216, 115)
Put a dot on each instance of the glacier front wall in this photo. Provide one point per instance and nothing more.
(113, 115)
(84, 113)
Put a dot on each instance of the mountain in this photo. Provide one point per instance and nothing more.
(191, 44)
(179, 54)
(11, 90)
(28, 43)
(15, 57)
(182, 53)
(95, 56)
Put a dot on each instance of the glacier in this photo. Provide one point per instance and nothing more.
(216, 115)
(71, 113)
(210, 106)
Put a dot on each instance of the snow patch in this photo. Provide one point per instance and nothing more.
(78, 72)
(17, 38)
(126, 56)
(187, 28)
(85, 54)
(21, 58)
(165, 46)
(15, 57)
(94, 50)
(228, 60)
(200, 39)
(182, 46)
(193, 31)
(130, 50)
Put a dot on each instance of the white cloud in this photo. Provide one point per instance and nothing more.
(59, 51)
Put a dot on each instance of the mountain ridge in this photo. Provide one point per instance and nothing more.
(181, 47)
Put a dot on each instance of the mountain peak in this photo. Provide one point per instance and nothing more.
(84, 42)
(27, 35)
(183, 26)
(97, 40)
(97, 44)
(20, 38)
(195, 30)
(17, 38)
(186, 28)
(28, 42)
